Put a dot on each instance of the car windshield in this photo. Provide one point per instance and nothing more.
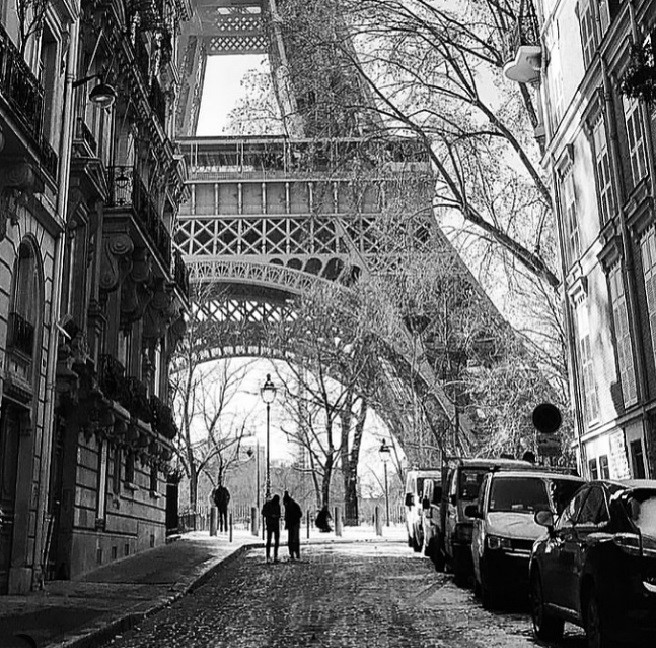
(518, 494)
(642, 510)
(470, 483)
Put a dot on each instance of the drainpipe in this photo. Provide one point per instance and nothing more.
(51, 370)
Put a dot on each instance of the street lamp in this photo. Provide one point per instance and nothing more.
(102, 94)
(268, 392)
(384, 451)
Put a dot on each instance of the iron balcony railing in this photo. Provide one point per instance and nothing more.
(526, 30)
(126, 188)
(20, 334)
(83, 134)
(24, 95)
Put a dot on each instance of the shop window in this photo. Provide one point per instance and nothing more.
(623, 342)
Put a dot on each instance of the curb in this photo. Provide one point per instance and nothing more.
(99, 636)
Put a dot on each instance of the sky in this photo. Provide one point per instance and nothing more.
(223, 90)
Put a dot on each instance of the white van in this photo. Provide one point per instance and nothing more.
(414, 489)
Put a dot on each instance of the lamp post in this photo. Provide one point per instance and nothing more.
(384, 451)
(268, 392)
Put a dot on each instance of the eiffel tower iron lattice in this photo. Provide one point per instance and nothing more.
(270, 216)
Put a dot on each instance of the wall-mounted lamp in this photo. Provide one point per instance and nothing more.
(102, 94)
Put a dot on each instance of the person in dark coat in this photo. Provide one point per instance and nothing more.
(293, 517)
(323, 520)
(221, 497)
(271, 514)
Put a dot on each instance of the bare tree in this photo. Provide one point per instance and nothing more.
(30, 14)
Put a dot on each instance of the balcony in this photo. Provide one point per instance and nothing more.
(25, 97)
(126, 189)
(525, 51)
(84, 140)
(20, 334)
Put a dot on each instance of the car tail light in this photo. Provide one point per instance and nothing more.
(631, 543)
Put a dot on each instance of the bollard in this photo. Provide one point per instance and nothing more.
(378, 521)
(230, 525)
(307, 516)
(254, 520)
(338, 522)
(213, 512)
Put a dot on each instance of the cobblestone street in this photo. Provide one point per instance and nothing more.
(339, 595)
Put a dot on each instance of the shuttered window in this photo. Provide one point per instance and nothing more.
(568, 204)
(602, 164)
(648, 249)
(588, 38)
(623, 342)
(635, 139)
(587, 377)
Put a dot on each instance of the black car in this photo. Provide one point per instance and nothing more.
(596, 567)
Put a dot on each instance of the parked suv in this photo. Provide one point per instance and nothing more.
(430, 519)
(596, 566)
(414, 488)
(461, 479)
(504, 529)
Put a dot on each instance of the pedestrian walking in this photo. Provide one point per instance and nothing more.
(293, 517)
(271, 514)
(221, 497)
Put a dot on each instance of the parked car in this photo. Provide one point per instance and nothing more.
(414, 488)
(430, 520)
(596, 566)
(461, 479)
(504, 528)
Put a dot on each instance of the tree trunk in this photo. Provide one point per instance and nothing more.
(351, 511)
(325, 482)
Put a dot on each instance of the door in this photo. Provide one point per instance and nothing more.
(9, 441)
(558, 559)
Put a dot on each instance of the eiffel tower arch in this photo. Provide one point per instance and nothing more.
(271, 216)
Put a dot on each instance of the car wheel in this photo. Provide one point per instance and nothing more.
(489, 597)
(460, 573)
(545, 626)
(596, 630)
(438, 560)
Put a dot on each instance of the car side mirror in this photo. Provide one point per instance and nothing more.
(425, 503)
(544, 518)
(473, 512)
(409, 499)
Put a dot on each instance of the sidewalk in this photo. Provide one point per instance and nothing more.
(110, 600)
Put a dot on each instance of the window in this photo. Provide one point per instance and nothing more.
(588, 37)
(592, 469)
(569, 514)
(602, 164)
(623, 342)
(125, 349)
(594, 510)
(50, 77)
(153, 479)
(571, 226)
(129, 467)
(637, 459)
(635, 139)
(102, 481)
(116, 475)
(587, 373)
(604, 471)
(648, 250)
(519, 495)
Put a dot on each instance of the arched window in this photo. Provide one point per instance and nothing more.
(26, 301)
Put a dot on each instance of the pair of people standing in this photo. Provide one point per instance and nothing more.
(293, 515)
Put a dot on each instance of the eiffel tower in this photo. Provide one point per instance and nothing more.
(270, 216)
